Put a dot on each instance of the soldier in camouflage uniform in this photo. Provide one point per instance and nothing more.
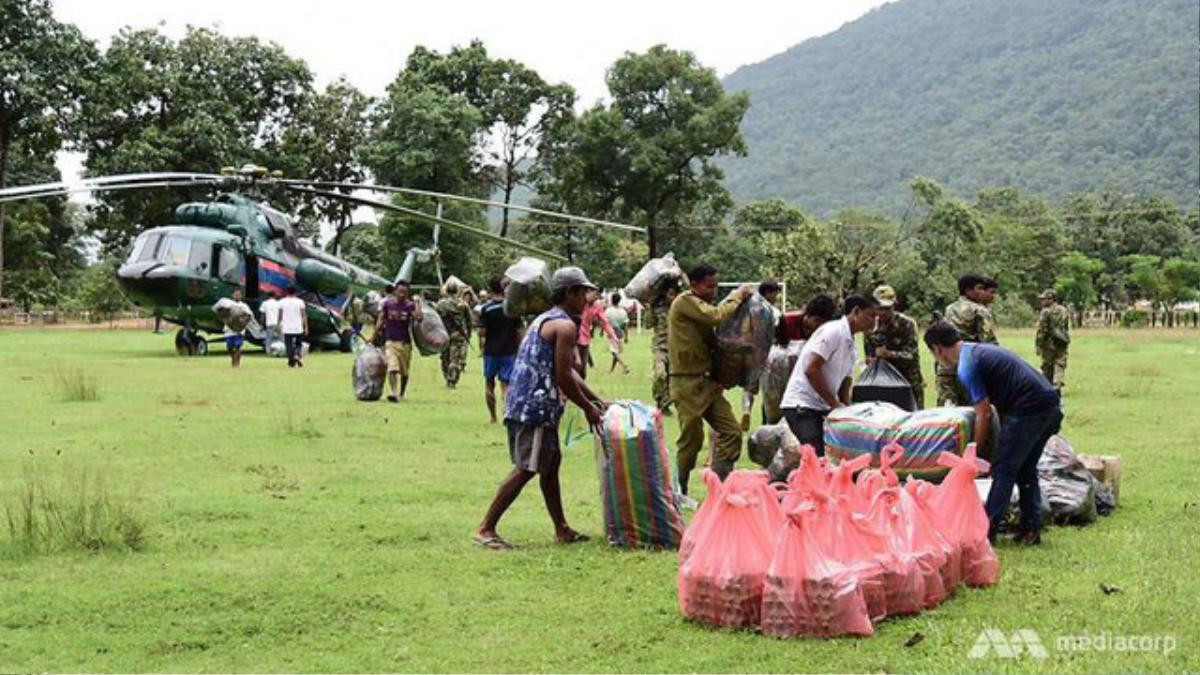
(1053, 338)
(456, 315)
(895, 340)
(660, 364)
(970, 315)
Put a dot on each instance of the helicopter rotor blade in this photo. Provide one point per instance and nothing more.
(473, 200)
(362, 201)
(108, 184)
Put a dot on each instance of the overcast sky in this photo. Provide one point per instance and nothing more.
(566, 41)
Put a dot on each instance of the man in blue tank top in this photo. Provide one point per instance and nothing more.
(1029, 411)
(543, 378)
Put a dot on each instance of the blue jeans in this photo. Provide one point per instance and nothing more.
(1022, 439)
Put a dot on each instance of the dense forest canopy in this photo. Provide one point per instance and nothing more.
(1051, 97)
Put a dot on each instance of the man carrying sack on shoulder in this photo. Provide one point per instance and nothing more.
(691, 345)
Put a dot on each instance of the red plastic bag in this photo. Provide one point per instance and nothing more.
(919, 495)
(810, 477)
(909, 573)
(962, 517)
(936, 558)
(703, 515)
(808, 592)
(721, 582)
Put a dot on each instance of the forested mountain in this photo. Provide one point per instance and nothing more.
(1052, 96)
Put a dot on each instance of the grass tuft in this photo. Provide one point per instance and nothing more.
(76, 513)
(73, 384)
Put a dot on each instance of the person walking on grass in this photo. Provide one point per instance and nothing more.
(292, 318)
(1030, 413)
(543, 376)
(1053, 338)
(699, 398)
(455, 312)
(234, 339)
(395, 324)
(619, 319)
(270, 314)
(820, 381)
(593, 313)
(499, 337)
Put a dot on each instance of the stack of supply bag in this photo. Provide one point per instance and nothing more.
(831, 554)
(866, 428)
(635, 479)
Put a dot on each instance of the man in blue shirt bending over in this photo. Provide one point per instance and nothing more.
(1029, 411)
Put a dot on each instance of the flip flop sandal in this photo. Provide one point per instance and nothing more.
(574, 538)
(494, 543)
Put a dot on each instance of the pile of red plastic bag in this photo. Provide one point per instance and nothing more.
(828, 554)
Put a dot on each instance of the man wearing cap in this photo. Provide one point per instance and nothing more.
(699, 398)
(894, 339)
(970, 315)
(455, 312)
(543, 378)
(1053, 338)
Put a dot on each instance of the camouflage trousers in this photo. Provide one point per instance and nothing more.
(660, 387)
(1054, 367)
(454, 360)
(949, 390)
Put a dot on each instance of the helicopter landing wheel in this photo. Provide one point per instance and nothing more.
(190, 344)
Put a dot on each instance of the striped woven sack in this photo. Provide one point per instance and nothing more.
(865, 428)
(635, 479)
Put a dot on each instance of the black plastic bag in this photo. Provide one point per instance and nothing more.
(1068, 488)
(882, 382)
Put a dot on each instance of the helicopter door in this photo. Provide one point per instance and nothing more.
(251, 276)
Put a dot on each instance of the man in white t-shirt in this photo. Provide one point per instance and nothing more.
(820, 381)
(293, 321)
(270, 314)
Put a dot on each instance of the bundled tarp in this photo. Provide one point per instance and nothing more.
(882, 382)
(780, 363)
(368, 373)
(743, 343)
(866, 428)
(775, 448)
(232, 313)
(528, 290)
(635, 479)
(429, 333)
(654, 276)
(1071, 495)
(372, 304)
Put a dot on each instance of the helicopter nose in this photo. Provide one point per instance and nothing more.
(148, 284)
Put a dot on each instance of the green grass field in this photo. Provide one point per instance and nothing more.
(291, 528)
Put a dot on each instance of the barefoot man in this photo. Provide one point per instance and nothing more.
(543, 375)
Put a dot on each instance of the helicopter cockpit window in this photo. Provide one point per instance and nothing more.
(144, 247)
(201, 256)
(174, 251)
(229, 265)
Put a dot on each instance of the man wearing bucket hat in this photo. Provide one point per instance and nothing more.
(1053, 338)
(543, 378)
(894, 340)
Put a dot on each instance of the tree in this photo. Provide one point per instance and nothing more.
(43, 67)
(1077, 278)
(946, 240)
(197, 104)
(362, 246)
(324, 142)
(1021, 241)
(1181, 280)
(648, 157)
(100, 294)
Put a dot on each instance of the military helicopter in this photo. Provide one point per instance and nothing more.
(238, 241)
